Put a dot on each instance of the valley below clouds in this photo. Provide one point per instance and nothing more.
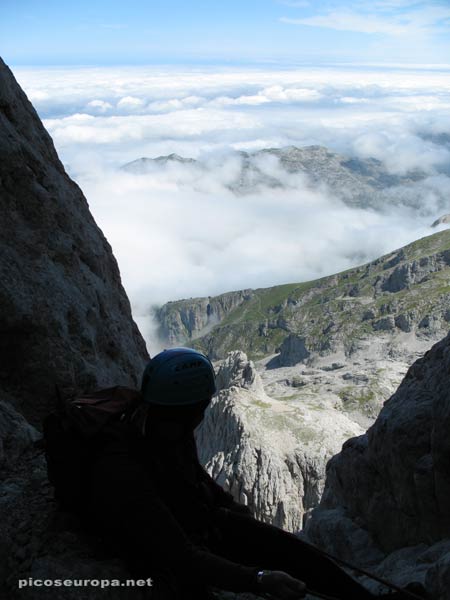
(238, 218)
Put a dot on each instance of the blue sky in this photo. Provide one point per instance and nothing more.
(108, 32)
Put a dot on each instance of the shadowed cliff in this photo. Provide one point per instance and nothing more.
(64, 316)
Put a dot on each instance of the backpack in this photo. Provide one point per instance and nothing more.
(73, 433)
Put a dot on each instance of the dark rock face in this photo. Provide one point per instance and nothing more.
(403, 462)
(404, 322)
(384, 324)
(394, 481)
(64, 316)
(64, 319)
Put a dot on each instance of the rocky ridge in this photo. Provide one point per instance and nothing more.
(403, 295)
(363, 183)
(270, 454)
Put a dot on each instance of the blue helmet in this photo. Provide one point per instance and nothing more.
(178, 377)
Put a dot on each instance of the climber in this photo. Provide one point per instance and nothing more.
(154, 502)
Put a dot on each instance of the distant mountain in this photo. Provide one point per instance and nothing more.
(358, 182)
(141, 166)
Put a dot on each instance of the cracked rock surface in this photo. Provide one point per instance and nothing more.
(392, 484)
(270, 454)
(64, 315)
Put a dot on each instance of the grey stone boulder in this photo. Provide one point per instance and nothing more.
(404, 322)
(293, 350)
(237, 371)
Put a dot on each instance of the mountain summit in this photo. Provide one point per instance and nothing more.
(357, 182)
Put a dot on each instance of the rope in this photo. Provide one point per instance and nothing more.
(388, 584)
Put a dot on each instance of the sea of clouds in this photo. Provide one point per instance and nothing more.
(180, 232)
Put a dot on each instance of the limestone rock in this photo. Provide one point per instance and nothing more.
(65, 320)
(269, 454)
(384, 324)
(187, 320)
(408, 274)
(237, 371)
(393, 482)
(64, 315)
(144, 165)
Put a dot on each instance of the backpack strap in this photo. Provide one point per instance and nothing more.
(91, 413)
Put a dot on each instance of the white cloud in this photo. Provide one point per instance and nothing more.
(121, 130)
(349, 21)
(179, 231)
(401, 152)
(254, 100)
(386, 18)
(130, 103)
(99, 105)
(38, 96)
(176, 240)
(175, 104)
(352, 100)
(279, 94)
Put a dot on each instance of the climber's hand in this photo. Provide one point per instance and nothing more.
(281, 586)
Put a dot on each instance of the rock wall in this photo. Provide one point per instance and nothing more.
(64, 319)
(64, 316)
(186, 320)
(392, 484)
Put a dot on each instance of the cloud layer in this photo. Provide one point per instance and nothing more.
(178, 232)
